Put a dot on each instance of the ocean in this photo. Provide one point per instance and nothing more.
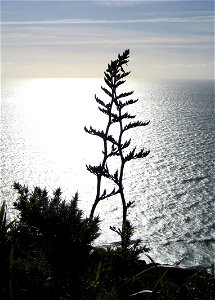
(43, 143)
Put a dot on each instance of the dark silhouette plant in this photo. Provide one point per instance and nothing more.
(6, 253)
(52, 241)
(47, 251)
(115, 146)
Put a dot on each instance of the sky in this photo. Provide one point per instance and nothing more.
(167, 39)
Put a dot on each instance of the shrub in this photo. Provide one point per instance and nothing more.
(52, 241)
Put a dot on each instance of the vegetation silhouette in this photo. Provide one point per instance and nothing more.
(114, 145)
(51, 242)
(47, 251)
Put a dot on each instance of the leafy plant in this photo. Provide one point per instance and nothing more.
(47, 252)
(116, 146)
(6, 254)
(52, 244)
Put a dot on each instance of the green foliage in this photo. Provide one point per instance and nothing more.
(52, 242)
(55, 217)
(173, 283)
(3, 219)
(3, 247)
(6, 254)
(111, 268)
(3, 228)
(46, 252)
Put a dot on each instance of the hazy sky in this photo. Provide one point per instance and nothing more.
(167, 39)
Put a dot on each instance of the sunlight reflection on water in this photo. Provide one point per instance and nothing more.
(44, 143)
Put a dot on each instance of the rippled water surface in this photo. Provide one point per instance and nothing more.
(43, 143)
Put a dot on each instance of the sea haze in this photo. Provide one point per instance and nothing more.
(44, 143)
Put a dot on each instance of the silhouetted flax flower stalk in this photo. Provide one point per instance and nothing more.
(114, 109)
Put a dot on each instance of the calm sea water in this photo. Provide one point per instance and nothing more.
(43, 143)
